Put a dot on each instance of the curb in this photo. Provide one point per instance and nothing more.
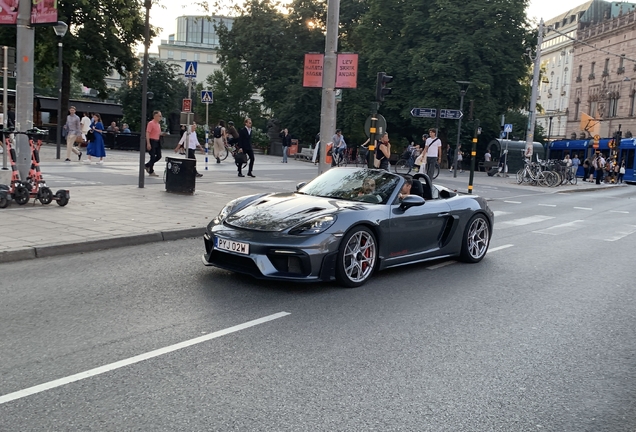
(94, 245)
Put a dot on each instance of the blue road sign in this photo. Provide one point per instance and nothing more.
(191, 69)
(424, 112)
(450, 114)
(508, 128)
(207, 96)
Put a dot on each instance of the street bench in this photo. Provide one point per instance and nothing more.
(305, 153)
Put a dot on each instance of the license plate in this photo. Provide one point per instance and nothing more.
(232, 246)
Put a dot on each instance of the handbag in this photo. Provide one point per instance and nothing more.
(79, 139)
(421, 159)
(240, 158)
(90, 135)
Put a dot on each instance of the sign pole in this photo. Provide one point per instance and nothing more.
(207, 135)
(4, 107)
(473, 156)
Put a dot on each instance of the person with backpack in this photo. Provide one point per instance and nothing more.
(220, 140)
(599, 165)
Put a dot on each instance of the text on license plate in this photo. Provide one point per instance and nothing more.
(232, 246)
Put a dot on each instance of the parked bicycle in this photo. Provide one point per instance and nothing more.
(406, 164)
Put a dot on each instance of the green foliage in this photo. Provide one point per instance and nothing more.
(426, 45)
(167, 87)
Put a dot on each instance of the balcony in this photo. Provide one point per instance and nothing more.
(605, 73)
(620, 70)
(579, 78)
(591, 76)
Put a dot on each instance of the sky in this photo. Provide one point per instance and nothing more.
(165, 15)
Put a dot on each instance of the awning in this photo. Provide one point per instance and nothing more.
(102, 108)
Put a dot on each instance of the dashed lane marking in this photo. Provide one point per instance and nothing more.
(440, 265)
(513, 202)
(547, 205)
(498, 213)
(136, 359)
(619, 211)
(622, 232)
(561, 229)
(498, 248)
(584, 208)
(524, 221)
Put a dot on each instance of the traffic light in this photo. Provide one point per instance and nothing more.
(381, 89)
(618, 137)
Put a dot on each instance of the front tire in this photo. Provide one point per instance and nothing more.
(476, 239)
(402, 167)
(21, 195)
(357, 257)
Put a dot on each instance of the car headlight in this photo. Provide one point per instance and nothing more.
(314, 226)
(225, 211)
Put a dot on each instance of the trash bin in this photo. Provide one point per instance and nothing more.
(180, 175)
(293, 148)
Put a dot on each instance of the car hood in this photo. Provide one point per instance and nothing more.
(278, 212)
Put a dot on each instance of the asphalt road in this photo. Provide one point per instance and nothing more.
(537, 337)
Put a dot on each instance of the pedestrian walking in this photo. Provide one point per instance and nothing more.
(73, 128)
(153, 143)
(286, 141)
(599, 166)
(220, 140)
(86, 126)
(621, 172)
(245, 146)
(190, 142)
(575, 164)
(95, 147)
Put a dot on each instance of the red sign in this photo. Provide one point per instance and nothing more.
(43, 11)
(187, 105)
(347, 71)
(9, 12)
(312, 74)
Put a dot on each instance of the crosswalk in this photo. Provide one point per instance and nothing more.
(609, 226)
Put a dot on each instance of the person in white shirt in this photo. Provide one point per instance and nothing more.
(190, 142)
(85, 125)
(339, 146)
(433, 153)
(487, 156)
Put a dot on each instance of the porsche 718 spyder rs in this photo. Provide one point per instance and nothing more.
(344, 225)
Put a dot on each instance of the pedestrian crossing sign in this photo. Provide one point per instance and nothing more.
(190, 69)
(207, 96)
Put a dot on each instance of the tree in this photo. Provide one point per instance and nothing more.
(167, 87)
(101, 38)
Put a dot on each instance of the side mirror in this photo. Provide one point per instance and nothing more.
(300, 185)
(411, 201)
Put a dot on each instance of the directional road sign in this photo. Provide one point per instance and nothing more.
(207, 96)
(508, 128)
(424, 112)
(450, 114)
(191, 69)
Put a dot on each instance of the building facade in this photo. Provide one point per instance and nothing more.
(196, 39)
(604, 66)
(557, 52)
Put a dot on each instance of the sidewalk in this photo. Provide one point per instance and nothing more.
(107, 208)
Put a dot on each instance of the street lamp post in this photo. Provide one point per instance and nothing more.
(60, 30)
(144, 96)
(547, 154)
(463, 87)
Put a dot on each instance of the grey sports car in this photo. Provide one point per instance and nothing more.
(344, 225)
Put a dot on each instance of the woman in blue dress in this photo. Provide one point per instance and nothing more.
(96, 146)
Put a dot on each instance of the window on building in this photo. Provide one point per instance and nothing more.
(631, 103)
(577, 103)
(196, 56)
(613, 105)
(606, 68)
(170, 54)
(184, 55)
(210, 58)
(593, 109)
(621, 65)
(580, 75)
(592, 67)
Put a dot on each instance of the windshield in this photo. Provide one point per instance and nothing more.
(354, 184)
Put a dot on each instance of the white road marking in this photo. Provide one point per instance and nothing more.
(440, 265)
(498, 213)
(629, 229)
(136, 359)
(583, 208)
(498, 248)
(523, 221)
(253, 181)
(513, 202)
(561, 229)
(618, 211)
(547, 205)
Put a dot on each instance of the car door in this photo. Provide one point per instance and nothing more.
(415, 232)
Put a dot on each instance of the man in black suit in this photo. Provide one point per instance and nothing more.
(245, 145)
